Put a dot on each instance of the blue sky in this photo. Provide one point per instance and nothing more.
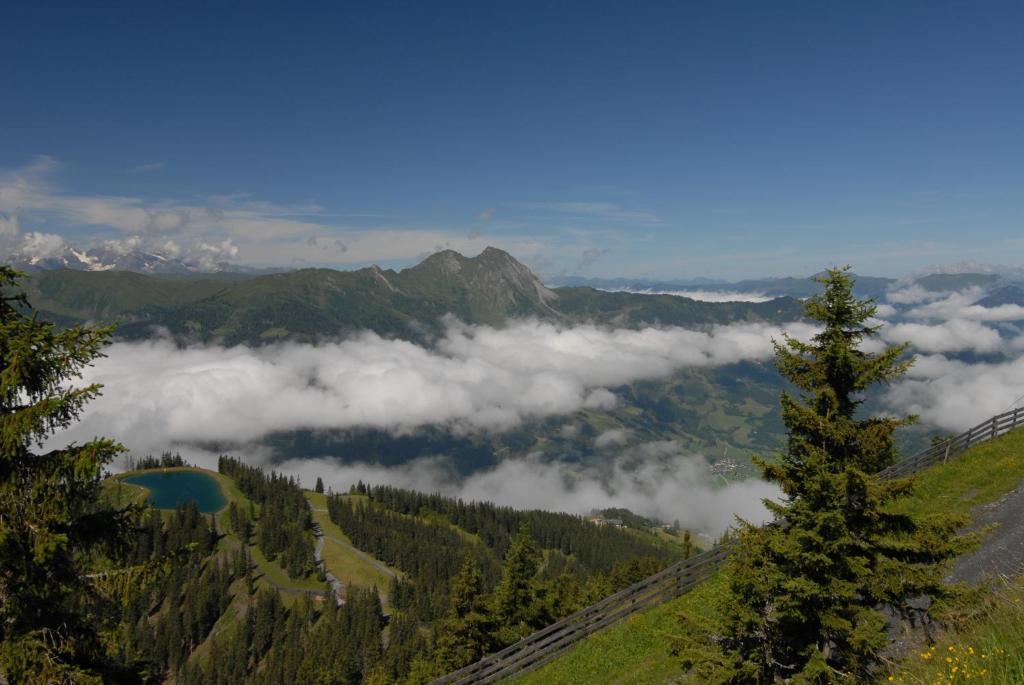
(676, 139)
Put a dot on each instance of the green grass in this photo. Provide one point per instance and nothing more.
(983, 474)
(637, 650)
(347, 566)
(279, 577)
(120, 494)
(634, 651)
(988, 649)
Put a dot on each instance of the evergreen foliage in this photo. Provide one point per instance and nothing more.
(808, 596)
(285, 521)
(166, 460)
(466, 634)
(594, 548)
(514, 599)
(430, 553)
(52, 622)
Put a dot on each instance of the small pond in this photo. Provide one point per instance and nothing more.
(168, 489)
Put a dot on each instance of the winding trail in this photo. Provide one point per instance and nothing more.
(371, 560)
(336, 585)
(1002, 550)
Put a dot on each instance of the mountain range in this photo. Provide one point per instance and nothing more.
(313, 304)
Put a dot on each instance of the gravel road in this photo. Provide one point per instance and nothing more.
(1002, 550)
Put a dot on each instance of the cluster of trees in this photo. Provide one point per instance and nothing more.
(594, 548)
(426, 537)
(304, 644)
(481, 619)
(429, 553)
(165, 619)
(284, 524)
(167, 460)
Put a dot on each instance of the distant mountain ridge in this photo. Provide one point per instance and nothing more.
(106, 258)
(314, 304)
(788, 286)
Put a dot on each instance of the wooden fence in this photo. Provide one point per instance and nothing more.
(549, 643)
(986, 430)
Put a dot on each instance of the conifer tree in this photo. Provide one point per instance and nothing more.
(50, 517)
(466, 633)
(514, 598)
(805, 593)
(319, 485)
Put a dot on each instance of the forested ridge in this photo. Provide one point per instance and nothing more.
(284, 525)
(207, 619)
(594, 548)
(475, 577)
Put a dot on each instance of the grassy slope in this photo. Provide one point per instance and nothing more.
(347, 566)
(637, 651)
(634, 651)
(988, 649)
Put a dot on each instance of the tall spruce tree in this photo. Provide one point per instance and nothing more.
(808, 595)
(50, 517)
(515, 606)
(465, 635)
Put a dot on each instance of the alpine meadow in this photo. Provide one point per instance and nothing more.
(540, 343)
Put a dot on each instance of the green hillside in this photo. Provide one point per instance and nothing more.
(314, 304)
(637, 650)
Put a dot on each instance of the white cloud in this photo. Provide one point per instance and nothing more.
(36, 245)
(666, 488)
(885, 311)
(261, 233)
(954, 395)
(912, 294)
(569, 430)
(963, 305)
(653, 479)
(477, 378)
(614, 437)
(955, 335)
(703, 295)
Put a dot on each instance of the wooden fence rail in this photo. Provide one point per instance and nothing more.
(545, 645)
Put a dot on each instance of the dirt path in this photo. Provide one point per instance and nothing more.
(372, 561)
(336, 585)
(376, 563)
(1002, 550)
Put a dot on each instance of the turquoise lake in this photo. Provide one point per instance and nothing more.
(169, 489)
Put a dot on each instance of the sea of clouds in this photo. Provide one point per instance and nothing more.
(158, 396)
(703, 295)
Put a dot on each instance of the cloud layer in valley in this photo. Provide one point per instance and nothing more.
(946, 389)
(476, 378)
(706, 295)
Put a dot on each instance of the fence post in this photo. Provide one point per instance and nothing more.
(994, 423)
(949, 443)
